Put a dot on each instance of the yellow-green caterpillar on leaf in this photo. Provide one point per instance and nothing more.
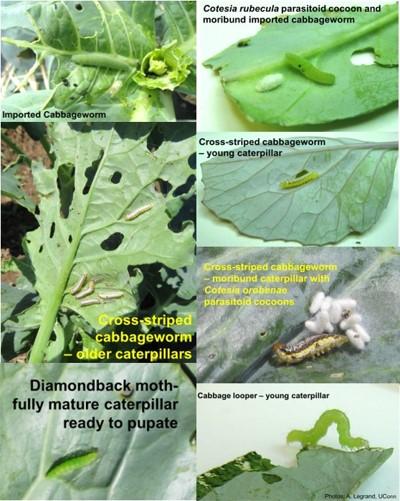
(311, 437)
(72, 462)
(299, 181)
(309, 70)
(102, 60)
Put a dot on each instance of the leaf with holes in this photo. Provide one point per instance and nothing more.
(340, 474)
(47, 460)
(92, 231)
(106, 53)
(314, 195)
(301, 73)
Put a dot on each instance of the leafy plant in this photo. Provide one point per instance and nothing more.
(313, 195)
(297, 97)
(320, 470)
(135, 464)
(121, 57)
(100, 176)
(235, 342)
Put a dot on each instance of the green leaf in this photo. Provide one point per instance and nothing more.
(320, 470)
(113, 177)
(10, 187)
(179, 23)
(159, 464)
(299, 100)
(234, 343)
(353, 186)
(99, 47)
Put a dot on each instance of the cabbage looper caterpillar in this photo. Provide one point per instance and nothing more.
(311, 437)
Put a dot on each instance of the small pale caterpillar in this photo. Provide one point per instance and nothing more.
(311, 347)
(311, 437)
(138, 212)
(102, 60)
(110, 295)
(309, 70)
(86, 292)
(79, 284)
(72, 462)
(269, 82)
(90, 302)
(294, 183)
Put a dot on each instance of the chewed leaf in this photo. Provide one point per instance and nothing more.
(81, 252)
(319, 470)
(312, 195)
(327, 86)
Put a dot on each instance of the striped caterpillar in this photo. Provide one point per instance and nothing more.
(311, 437)
(91, 301)
(86, 292)
(294, 183)
(72, 462)
(79, 284)
(311, 347)
(138, 212)
(309, 70)
(110, 295)
(102, 60)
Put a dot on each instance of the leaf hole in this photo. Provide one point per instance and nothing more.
(245, 42)
(112, 242)
(41, 249)
(52, 229)
(90, 172)
(79, 6)
(70, 239)
(66, 187)
(37, 210)
(363, 58)
(116, 177)
(271, 479)
(162, 186)
(192, 161)
(184, 188)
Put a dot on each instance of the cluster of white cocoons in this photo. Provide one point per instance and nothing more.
(328, 313)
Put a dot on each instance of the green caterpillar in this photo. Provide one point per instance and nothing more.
(102, 60)
(311, 437)
(299, 181)
(309, 70)
(72, 462)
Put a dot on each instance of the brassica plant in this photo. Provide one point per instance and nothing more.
(127, 59)
(91, 224)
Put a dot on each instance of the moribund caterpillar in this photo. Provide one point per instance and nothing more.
(309, 70)
(310, 347)
(311, 437)
(294, 183)
(72, 462)
(103, 60)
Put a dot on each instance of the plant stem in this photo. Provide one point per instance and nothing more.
(50, 315)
